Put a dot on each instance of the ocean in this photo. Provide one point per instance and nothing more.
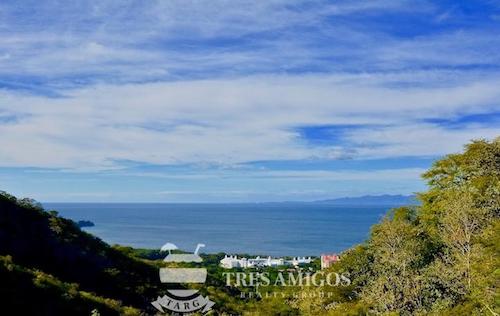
(275, 229)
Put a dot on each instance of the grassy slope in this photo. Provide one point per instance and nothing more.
(32, 241)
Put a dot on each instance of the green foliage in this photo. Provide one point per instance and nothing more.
(64, 259)
(44, 294)
(440, 258)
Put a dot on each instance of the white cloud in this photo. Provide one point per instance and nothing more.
(131, 79)
(230, 121)
(135, 41)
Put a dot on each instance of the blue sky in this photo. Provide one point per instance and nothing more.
(240, 101)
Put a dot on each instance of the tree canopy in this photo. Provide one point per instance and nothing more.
(441, 257)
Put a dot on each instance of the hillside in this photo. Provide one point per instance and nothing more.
(48, 266)
(440, 257)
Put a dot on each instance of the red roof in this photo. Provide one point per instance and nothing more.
(330, 257)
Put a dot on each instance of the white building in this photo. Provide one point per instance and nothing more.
(230, 262)
(299, 261)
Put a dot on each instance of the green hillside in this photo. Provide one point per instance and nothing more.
(438, 258)
(49, 266)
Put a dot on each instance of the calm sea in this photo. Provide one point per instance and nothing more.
(277, 229)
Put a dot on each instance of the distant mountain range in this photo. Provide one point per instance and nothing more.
(389, 200)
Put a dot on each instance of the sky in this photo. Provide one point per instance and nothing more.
(240, 101)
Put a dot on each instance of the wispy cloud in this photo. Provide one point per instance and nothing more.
(66, 44)
(236, 121)
(196, 184)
